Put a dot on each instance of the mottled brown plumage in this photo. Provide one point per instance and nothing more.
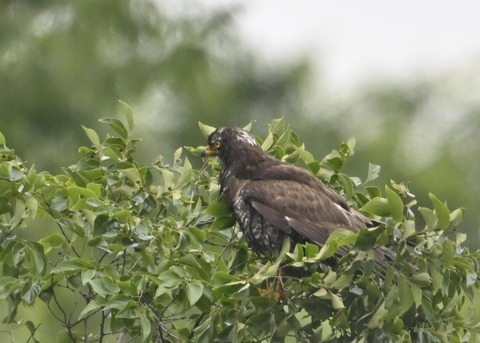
(273, 200)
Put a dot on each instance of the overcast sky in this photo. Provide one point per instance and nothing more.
(351, 40)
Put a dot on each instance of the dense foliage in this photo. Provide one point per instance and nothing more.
(150, 253)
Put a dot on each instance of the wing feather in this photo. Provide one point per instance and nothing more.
(275, 218)
(313, 208)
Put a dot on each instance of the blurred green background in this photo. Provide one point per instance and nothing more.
(64, 64)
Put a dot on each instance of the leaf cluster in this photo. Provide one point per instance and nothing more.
(150, 252)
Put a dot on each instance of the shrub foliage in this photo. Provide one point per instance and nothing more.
(150, 253)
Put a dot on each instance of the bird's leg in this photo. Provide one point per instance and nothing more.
(276, 288)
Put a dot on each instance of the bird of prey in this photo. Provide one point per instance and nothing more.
(273, 200)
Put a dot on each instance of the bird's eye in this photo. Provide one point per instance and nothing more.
(217, 144)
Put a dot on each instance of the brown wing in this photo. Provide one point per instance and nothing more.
(275, 170)
(312, 213)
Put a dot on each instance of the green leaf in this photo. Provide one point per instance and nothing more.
(218, 208)
(408, 229)
(19, 213)
(99, 287)
(194, 291)
(417, 294)
(169, 279)
(373, 192)
(338, 238)
(76, 193)
(343, 280)
(128, 115)
(116, 125)
(268, 142)
(195, 151)
(367, 238)
(224, 222)
(456, 216)
(448, 252)
(378, 317)
(9, 285)
(2, 140)
(404, 295)
(334, 160)
(311, 250)
(401, 189)
(442, 212)
(72, 265)
(261, 323)
(377, 206)
(185, 176)
(267, 271)
(429, 217)
(87, 275)
(92, 307)
(423, 279)
(437, 278)
(59, 203)
(30, 292)
(206, 130)
(348, 148)
(53, 241)
(373, 172)
(146, 326)
(31, 327)
(347, 185)
(93, 136)
(396, 204)
(277, 125)
(221, 278)
(306, 156)
(133, 175)
(429, 312)
(314, 167)
(72, 226)
(248, 127)
(337, 302)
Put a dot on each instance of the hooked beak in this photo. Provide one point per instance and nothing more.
(209, 151)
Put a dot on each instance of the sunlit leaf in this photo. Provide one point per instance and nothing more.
(429, 217)
(442, 212)
(377, 206)
(373, 172)
(194, 291)
(116, 125)
(186, 175)
(53, 241)
(93, 136)
(206, 130)
(146, 326)
(248, 127)
(338, 238)
(396, 204)
(30, 292)
(128, 115)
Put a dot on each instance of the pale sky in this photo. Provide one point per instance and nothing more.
(350, 40)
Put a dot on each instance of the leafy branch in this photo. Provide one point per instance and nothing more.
(154, 254)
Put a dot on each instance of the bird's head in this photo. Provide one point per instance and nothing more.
(228, 143)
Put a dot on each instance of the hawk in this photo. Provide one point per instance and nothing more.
(273, 200)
